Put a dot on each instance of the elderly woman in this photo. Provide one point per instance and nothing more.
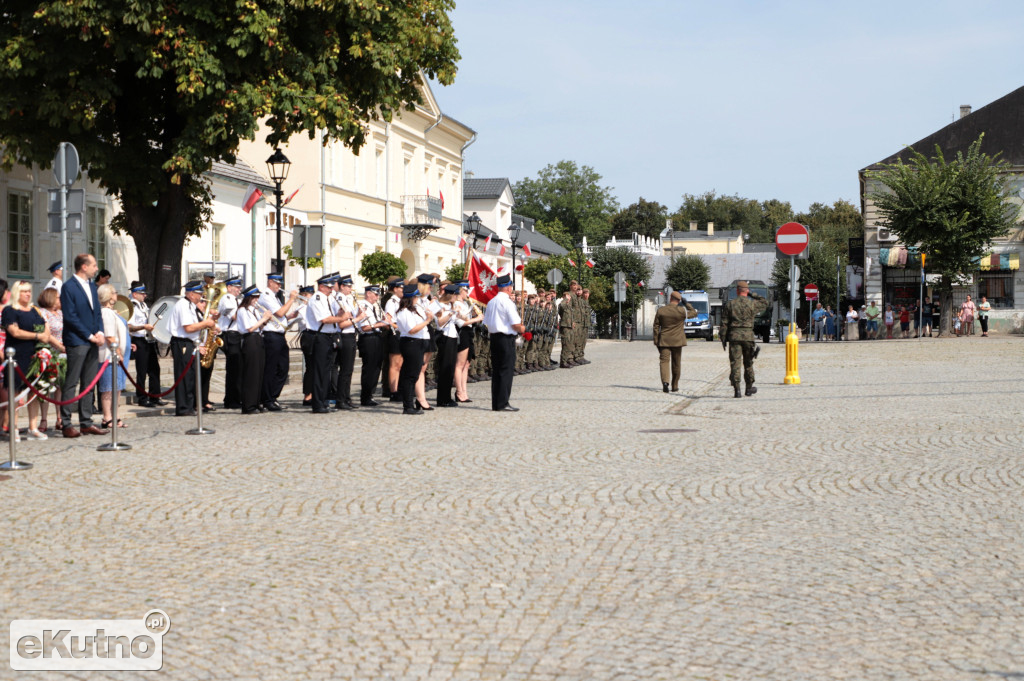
(115, 328)
(49, 307)
(25, 328)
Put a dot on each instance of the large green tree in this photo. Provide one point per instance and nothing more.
(688, 273)
(727, 212)
(151, 93)
(644, 217)
(951, 209)
(571, 194)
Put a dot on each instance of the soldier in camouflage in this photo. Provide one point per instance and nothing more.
(566, 329)
(587, 325)
(737, 330)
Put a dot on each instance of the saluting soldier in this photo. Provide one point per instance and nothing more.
(737, 329)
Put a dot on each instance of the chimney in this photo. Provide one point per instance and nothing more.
(693, 225)
(711, 229)
(965, 109)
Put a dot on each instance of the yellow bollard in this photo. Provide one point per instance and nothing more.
(792, 350)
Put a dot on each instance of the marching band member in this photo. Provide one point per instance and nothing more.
(465, 319)
(147, 363)
(426, 302)
(186, 329)
(57, 270)
(227, 323)
(347, 350)
(323, 319)
(503, 323)
(276, 369)
(412, 321)
(394, 349)
(371, 344)
(306, 337)
(249, 324)
(447, 344)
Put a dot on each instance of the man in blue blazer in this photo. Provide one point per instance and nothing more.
(83, 337)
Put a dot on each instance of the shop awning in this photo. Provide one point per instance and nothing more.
(999, 261)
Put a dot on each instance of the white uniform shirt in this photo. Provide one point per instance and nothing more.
(269, 299)
(407, 319)
(449, 330)
(184, 312)
(247, 319)
(501, 314)
(347, 303)
(321, 307)
(373, 315)
(54, 283)
(391, 308)
(140, 316)
(227, 308)
(300, 318)
(464, 308)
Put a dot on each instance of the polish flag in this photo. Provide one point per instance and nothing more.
(483, 282)
(526, 250)
(641, 284)
(462, 242)
(590, 263)
(571, 262)
(501, 248)
(487, 244)
(292, 195)
(252, 195)
(442, 198)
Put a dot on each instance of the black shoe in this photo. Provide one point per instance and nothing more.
(664, 387)
(346, 406)
(395, 398)
(272, 406)
(350, 404)
(426, 408)
(751, 390)
(508, 407)
(232, 406)
(412, 412)
(279, 405)
(738, 393)
(463, 401)
(324, 411)
(307, 403)
(157, 403)
(209, 410)
(190, 412)
(675, 390)
(370, 403)
(254, 410)
(449, 404)
(144, 403)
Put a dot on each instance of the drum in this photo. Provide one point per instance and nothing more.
(160, 317)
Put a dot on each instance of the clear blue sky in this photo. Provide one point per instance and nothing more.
(769, 99)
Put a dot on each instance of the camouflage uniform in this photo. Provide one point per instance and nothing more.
(737, 328)
(585, 331)
(565, 328)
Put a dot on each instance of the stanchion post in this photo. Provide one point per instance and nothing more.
(199, 430)
(115, 396)
(12, 423)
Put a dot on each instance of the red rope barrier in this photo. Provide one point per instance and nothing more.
(188, 366)
(82, 394)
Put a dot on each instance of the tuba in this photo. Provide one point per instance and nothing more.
(213, 341)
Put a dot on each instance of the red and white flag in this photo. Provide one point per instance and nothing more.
(483, 282)
(442, 198)
(641, 284)
(252, 195)
(571, 262)
(526, 250)
(487, 244)
(501, 248)
(590, 263)
(292, 195)
(462, 242)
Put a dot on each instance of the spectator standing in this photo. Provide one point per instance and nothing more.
(983, 309)
(83, 337)
(926, 318)
(904, 321)
(936, 314)
(818, 316)
(21, 320)
(49, 308)
(890, 320)
(873, 313)
(912, 310)
(851, 322)
(967, 312)
(115, 328)
(830, 323)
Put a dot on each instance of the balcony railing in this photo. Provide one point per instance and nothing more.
(421, 215)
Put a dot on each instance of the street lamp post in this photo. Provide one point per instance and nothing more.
(278, 165)
(513, 235)
(473, 225)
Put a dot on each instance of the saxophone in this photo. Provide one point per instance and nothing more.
(213, 340)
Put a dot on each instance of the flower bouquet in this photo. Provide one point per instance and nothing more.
(46, 372)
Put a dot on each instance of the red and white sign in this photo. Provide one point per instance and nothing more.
(792, 238)
(811, 292)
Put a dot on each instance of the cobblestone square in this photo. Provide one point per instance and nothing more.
(865, 524)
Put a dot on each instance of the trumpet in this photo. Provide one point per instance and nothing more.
(274, 321)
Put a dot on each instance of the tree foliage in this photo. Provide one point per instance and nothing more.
(819, 269)
(646, 218)
(455, 272)
(688, 273)
(951, 209)
(152, 92)
(378, 267)
(571, 194)
(554, 230)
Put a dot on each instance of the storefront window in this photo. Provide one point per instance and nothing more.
(997, 287)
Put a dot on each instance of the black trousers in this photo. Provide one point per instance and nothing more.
(323, 362)
(412, 363)
(275, 372)
(385, 363)
(371, 348)
(232, 369)
(306, 340)
(83, 365)
(253, 358)
(447, 352)
(503, 365)
(147, 368)
(204, 377)
(346, 365)
(185, 391)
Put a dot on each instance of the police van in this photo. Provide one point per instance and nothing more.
(699, 326)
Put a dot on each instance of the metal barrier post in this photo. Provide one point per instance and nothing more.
(199, 430)
(12, 425)
(115, 395)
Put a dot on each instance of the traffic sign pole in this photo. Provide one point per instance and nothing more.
(61, 155)
(792, 344)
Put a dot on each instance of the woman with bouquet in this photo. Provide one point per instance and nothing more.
(26, 329)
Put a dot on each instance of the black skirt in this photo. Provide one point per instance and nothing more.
(466, 341)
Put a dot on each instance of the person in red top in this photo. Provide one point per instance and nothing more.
(904, 321)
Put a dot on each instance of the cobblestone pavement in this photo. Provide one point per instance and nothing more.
(863, 525)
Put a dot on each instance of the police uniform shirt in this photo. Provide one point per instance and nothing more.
(373, 316)
(391, 307)
(320, 308)
(184, 313)
(501, 314)
(345, 303)
(140, 316)
(227, 308)
(269, 299)
(406, 320)
(445, 309)
(465, 312)
(54, 283)
(247, 319)
(300, 319)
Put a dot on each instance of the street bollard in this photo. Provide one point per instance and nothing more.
(792, 350)
(115, 395)
(12, 425)
(199, 430)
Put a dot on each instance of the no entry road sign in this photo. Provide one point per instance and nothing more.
(792, 238)
(811, 292)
